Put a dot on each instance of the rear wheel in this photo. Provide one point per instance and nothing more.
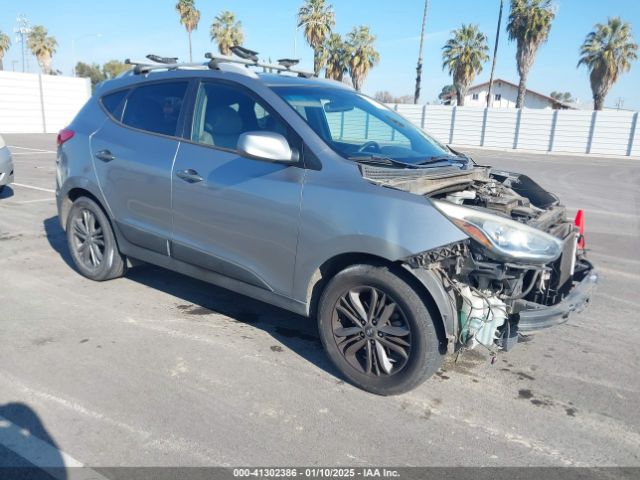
(377, 330)
(92, 242)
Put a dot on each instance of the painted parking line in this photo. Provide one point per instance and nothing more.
(42, 454)
(16, 154)
(40, 189)
(32, 149)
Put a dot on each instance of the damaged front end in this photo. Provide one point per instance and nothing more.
(523, 267)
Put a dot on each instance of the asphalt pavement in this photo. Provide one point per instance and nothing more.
(159, 369)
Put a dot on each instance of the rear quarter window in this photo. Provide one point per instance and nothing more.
(156, 107)
(114, 103)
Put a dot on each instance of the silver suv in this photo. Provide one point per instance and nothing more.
(308, 195)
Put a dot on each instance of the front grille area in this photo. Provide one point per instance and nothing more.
(561, 280)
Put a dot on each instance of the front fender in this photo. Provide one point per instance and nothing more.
(340, 217)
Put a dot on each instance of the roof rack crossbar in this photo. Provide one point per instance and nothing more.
(146, 67)
(171, 63)
(216, 60)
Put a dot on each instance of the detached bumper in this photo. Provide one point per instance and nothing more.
(535, 317)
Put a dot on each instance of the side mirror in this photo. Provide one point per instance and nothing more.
(268, 146)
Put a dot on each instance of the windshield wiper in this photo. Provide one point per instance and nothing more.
(441, 158)
(381, 160)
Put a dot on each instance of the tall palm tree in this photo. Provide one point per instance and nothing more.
(362, 55)
(416, 95)
(318, 20)
(5, 43)
(463, 55)
(42, 46)
(607, 52)
(189, 17)
(226, 31)
(336, 54)
(529, 25)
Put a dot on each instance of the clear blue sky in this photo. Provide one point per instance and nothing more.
(133, 28)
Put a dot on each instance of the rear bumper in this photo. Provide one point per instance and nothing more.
(534, 317)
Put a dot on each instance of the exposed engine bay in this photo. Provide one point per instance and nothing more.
(523, 254)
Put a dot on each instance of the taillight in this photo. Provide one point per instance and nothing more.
(64, 135)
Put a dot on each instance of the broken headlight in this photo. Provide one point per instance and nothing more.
(502, 238)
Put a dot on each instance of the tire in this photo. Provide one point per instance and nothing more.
(97, 256)
(395, 347)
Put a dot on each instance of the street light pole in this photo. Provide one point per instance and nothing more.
(73, 48)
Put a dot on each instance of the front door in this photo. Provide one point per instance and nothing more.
(234, 215)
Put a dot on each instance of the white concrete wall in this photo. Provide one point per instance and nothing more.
(33, 103)
(570, 131)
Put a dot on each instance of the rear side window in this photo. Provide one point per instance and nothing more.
(156, 107)
(114, 103)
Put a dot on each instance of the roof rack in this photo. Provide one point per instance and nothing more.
(160, 63)
(251, 60)
(244, 57)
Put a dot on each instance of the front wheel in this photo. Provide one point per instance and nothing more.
(92, 242)
(377, 330)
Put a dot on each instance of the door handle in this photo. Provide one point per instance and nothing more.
(105, 156)
(189, 175)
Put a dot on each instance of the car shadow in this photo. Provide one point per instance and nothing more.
(6, 192)
(27, 450)
(57, 239)
(199, 299)
(295, 332)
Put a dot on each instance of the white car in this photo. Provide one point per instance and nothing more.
(6, 165)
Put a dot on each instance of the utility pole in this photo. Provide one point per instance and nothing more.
(495, 54)
(416, 95)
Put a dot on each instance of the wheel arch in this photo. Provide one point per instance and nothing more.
(424, 286)
(71, 195)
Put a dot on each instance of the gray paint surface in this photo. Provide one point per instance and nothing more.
(266, 224)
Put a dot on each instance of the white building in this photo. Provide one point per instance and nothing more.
(504, 95)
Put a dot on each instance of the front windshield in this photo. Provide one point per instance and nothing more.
(356, 126)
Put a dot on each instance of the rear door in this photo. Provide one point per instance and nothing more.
(133, 153)
(234, 215)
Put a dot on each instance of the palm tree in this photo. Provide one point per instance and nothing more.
(226, 31)
(42, 46)
(5, 43)
(416, 95)
(607, 52)
(529, 25)
(318, 20)
(362, 55)
(336, 54)
(463, 55)
(189, 17)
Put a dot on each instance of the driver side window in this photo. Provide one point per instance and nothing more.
(222, 113)
(358, 127)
